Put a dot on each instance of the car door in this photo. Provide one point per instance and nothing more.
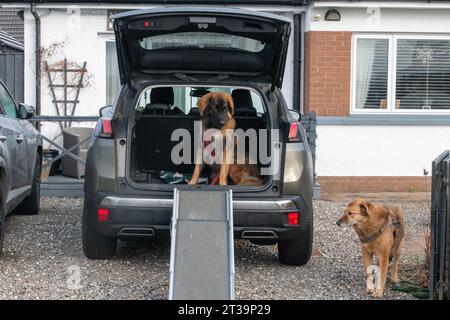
(16, 140)
(8, 149)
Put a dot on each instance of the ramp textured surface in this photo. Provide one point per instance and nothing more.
(202, 260)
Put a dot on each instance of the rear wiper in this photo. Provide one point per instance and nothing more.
(220, 77)
(184, 77)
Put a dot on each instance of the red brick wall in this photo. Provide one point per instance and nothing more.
(327, 73)
(374, 184)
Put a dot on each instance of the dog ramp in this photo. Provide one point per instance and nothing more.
(202, 254)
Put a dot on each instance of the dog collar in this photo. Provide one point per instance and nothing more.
(373, 236)
(395, 223)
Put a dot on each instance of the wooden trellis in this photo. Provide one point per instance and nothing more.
(65, 101)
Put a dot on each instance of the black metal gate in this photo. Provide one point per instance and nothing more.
(440, 228)
(12, 73)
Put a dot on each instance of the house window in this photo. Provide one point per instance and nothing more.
(401, 74)
(8, 103)
(112, 73)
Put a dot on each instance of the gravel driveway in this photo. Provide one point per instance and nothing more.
(42, 259)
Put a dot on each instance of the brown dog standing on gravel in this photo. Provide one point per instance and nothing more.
(216, 112)
(381, 230)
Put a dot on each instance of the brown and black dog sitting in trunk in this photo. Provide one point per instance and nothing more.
(216, 112)
(381, 230)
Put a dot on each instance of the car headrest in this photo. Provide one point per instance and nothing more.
(157, 108)
(162, 95)
(243, 102)
(194, 112)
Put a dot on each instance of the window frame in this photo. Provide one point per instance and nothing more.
(392, 74)
(259, 94)
(3, 108)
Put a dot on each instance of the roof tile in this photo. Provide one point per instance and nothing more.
(11, 23)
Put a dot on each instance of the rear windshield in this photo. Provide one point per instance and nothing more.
(201, 40)
(186, 98)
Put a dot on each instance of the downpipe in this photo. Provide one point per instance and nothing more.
(38, 61)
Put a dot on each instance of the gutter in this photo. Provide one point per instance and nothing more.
(393, 4)
(170, 2)
(38, 59)
(145, 4)
(11, 45)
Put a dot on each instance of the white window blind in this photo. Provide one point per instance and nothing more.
(423, 74)
(371, 73)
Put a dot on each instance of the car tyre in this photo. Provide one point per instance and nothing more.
(297, 251)
(30, 205)
(96, 246)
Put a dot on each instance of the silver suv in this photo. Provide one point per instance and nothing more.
(168, 59)
(20, 160)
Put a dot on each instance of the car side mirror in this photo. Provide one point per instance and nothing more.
(295, 114)
(26, 111)
(105, 111)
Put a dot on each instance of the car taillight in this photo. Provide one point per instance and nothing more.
(293, 131)
(293, 218)
(102, 214)
(106, 131)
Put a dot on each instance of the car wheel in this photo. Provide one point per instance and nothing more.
(30, 205)
(96, 246)
(297, 251)
(2, 226)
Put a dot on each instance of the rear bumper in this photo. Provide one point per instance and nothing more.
(151, 217)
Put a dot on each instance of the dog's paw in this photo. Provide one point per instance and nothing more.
(191, 183)
(395, 280)
(377, 294)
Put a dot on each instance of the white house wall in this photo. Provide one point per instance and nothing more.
(357, 150)
(79, 43)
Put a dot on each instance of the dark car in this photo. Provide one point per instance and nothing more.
(168, 59)
(20, 160)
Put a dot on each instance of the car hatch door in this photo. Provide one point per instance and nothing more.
(194, 40)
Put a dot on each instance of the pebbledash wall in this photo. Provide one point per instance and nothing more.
(369, 151)
(79, 40)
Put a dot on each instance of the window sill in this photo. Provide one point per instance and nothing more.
(387, 120)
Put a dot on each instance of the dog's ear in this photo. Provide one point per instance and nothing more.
(364, 208)
(230, 103)
(203, 102)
